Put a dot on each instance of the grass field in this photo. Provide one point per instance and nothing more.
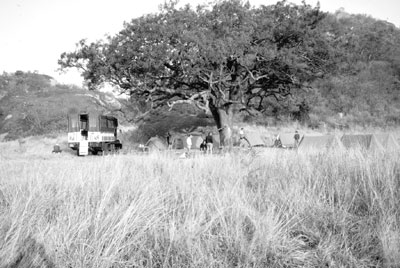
(270, 208)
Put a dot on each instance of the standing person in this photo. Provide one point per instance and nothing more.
(203, 146)
(278, 142)
(241, 133)
(209, 142)
(296, 139)
(189, 142)
(169, 141)
(242, 138)
(228, 137)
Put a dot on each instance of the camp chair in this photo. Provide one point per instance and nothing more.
(56, 149)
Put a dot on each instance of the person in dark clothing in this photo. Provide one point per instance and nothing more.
(278, 142)
(169, 141)
(209, 143)
(203, 146)
(296, 139)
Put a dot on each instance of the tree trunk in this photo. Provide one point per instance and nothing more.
(223, 117)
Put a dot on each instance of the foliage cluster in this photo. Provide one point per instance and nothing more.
(364, 86)
(23, 112)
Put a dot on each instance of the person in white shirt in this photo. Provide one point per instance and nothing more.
(241, 133)
(244, 142)
(189, 142)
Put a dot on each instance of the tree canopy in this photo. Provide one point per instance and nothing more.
(225, 57)
(228, 56)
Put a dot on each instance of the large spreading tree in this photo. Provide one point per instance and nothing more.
(225, 57)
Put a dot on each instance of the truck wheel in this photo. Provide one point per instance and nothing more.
(111, 148)
(104, 149)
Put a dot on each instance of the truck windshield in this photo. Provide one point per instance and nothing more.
(73, 125)
(93, 123)
(84, 120)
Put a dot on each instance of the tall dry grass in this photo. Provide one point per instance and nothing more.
(270, 209)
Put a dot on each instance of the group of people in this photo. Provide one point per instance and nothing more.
(208, 142)
(205, 146)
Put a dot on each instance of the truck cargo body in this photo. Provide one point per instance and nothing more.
(99, 132)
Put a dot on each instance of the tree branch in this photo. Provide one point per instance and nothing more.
(196, 100)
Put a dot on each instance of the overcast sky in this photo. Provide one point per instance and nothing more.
(35, 32)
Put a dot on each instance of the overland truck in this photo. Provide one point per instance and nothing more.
(92, 132)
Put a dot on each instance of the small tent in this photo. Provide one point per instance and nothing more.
(320, 143)
(254, 139)
(196, 142)
(388, 142)
(361, 141)
(287, 139)
(179, 141)
(156, 144)
(269, 141)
